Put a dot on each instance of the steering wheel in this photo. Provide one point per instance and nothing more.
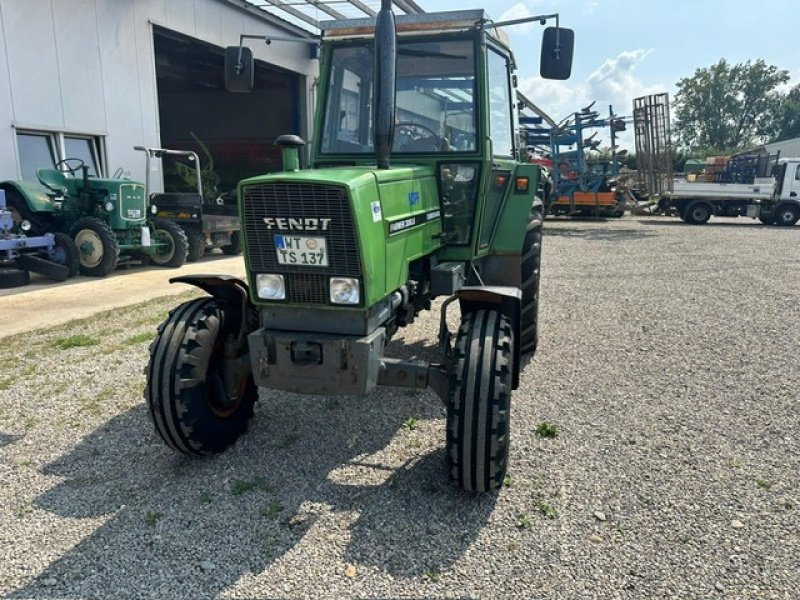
(63, 165)
(420, 137)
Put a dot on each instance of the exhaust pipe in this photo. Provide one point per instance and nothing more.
(383, 86)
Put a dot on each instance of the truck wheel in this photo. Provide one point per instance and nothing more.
(787, 215)
(11, 278)
(697, 213)
(197, 244)
(531, 263)
(189, 406)
(479, 401)
(235, 247)
(173, 245)
(765, 220)
(98, 250)
(66, 253)
(43, 266)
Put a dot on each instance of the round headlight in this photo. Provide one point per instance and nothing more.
(154, 209)
(109, 206)
(270, 287)
(25, 225)
(345, 290)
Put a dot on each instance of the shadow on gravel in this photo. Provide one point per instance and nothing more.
(675, 221)
(603, 234)
(166, 515)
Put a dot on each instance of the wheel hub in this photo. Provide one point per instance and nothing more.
(90, 246)
(165, 248)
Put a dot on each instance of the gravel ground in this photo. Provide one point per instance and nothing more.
(668, 363)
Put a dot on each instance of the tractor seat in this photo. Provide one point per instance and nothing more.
(53, 179)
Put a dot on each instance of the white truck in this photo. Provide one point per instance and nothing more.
(773, 200)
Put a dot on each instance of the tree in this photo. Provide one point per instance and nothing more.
(724, 106)
(787, 122)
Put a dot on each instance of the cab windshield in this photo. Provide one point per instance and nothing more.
(435, 99)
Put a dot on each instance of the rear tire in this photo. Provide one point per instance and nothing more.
(479, 401)
(697, 213)
(43, 266)
(786, 215)
(98, 250)
(189, 407)
(11, 278)
(197, 244)
(66, 253)
(235, 247)
(174, 254)
(531, 269)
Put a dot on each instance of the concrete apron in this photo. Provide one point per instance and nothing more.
(45, 303)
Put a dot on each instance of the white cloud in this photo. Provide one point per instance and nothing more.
(613, 82)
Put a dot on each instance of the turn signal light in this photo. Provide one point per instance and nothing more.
(522, 184)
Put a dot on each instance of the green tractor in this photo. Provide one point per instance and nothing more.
(416, 191)
(109, 220)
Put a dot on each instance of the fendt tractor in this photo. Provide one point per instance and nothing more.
(415, 191)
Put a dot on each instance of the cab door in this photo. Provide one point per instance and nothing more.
(792, 183)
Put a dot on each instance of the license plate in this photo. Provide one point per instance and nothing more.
(301, 250)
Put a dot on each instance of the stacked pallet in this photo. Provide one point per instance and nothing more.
(716, 167)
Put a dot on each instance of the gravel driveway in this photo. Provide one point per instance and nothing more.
(668, 365)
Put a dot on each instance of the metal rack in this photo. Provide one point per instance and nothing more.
(653, 143)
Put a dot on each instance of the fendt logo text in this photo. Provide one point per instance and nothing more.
(297, 224)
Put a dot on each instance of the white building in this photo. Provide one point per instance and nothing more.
(93, 78)
(786, 148)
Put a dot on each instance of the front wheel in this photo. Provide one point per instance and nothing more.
(787, 215)
(531, 266)
(479, 401)
(172, 246)
(192, 409)
(697, 213)
(97, 245)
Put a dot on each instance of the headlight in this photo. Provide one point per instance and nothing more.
(345, 290)
(109, 206)
(154, 209)
(270, 287)
(25, 225)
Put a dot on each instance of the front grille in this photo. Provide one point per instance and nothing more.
(304, 284)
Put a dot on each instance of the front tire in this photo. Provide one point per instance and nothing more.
(787, 215)
(66, 253)
(479, 401)
(173, 246)
(189, 406)
(97, 246)
(235, 247)
(197, 244)
(531, 267)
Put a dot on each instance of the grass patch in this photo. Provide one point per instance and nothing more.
(432, 575)
(205, 498)
(6, 383)
(152, 517)
(272, 510)
(139, 338)
(411, 423)
(545, 509)
(763, 484)
(523, 521)
(546, 430)
(507, 481)
(75, 341)
(23, 510)
(243, 486)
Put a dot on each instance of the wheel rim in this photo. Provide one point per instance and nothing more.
(699, 214)
(164, 253)
(60, 255)
(787, 216)
(90, 247)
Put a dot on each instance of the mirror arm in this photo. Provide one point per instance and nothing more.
(268, 39)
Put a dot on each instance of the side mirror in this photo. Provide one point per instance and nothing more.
(557, 46)
(239, 69)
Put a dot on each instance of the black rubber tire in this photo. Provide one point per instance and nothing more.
(11, 278)
(235, 247)
(765, 220)
(786, 215)
(197, 244)
(698, 213)
(180, 246)
(531, 270)
(108, 242)
(18, 204)
(66, 253)
(479, 401)
(43, 266)
(184, 380)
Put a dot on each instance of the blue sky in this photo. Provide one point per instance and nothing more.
(628, 48)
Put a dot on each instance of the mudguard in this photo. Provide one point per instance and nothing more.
(234, 291)
(504, 299)
(34, 194)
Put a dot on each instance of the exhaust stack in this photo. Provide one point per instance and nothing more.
(383, 89)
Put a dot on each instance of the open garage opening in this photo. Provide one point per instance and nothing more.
(233, 134)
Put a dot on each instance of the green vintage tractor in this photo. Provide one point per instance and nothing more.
(415, 192)
(109, 220)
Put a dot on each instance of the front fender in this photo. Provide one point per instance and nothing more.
(34, 195)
